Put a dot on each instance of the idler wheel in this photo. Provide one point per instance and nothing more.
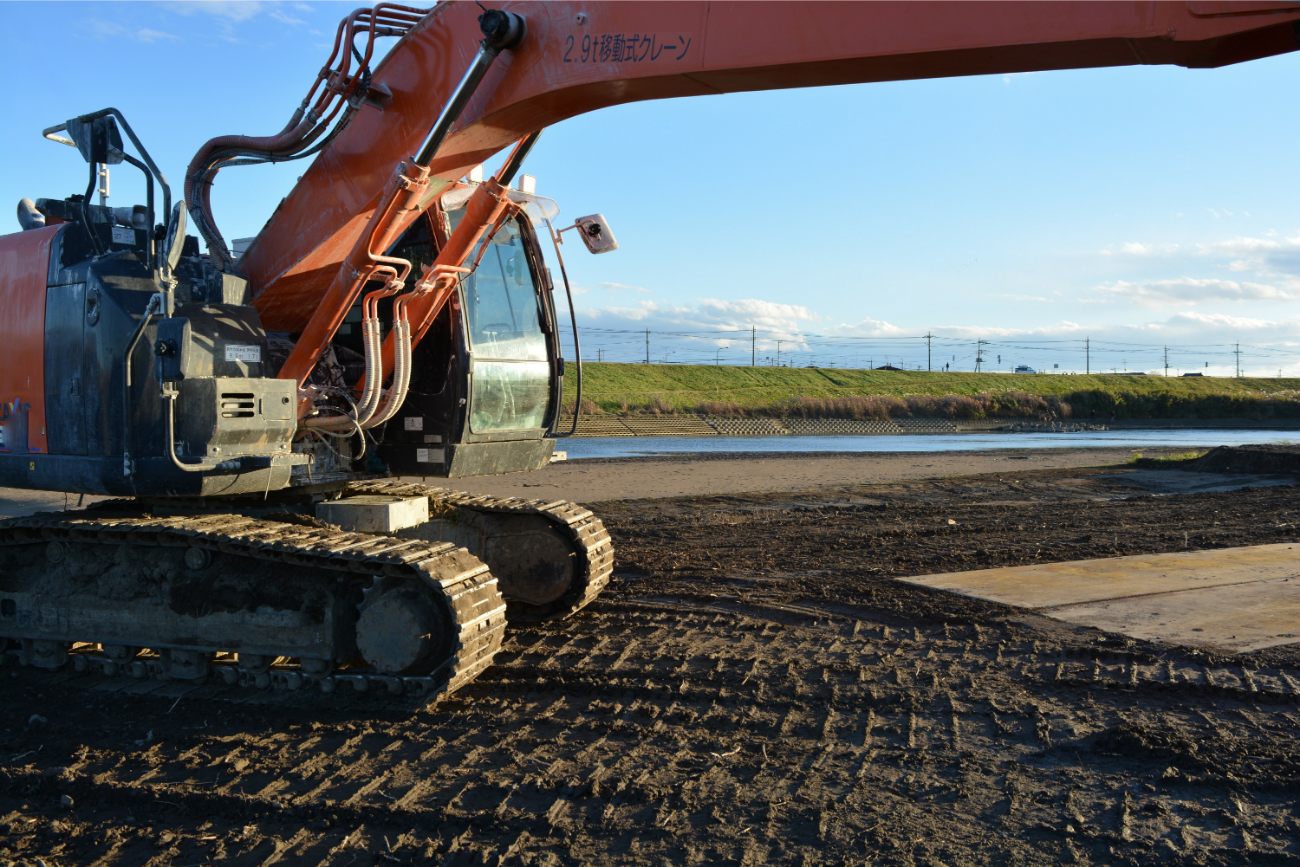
(39, 653)
(533, 564)
(198, 559)
(401, 633)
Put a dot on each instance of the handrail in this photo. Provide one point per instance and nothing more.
(573, 319)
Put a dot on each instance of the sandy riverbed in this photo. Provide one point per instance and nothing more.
(697, 475)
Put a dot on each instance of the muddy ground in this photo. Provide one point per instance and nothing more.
(754, 688)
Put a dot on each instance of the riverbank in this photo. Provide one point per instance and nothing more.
(702, 425)
(630, 390)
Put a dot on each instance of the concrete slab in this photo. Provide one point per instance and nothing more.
(1055, 584)
(373, 513)
(1233, 617)
(1236, 599)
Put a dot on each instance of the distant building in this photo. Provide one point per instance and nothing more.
(1193, 374)
(888, 367)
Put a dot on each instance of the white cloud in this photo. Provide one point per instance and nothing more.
(235, 11)
(1268, 256)
(1061, 329)
(1191, 290)
(708, 324)
(867, 328)
(1223, 321)
(1135, 248)
(230, 10)
(106, 30)
(754, 311)
(696, 333)
(1237, 269)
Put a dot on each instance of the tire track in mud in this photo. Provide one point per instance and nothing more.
(661, 731)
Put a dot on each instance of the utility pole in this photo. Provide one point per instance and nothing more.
(928, 335)
(753, 344)
(1166, 361)
(1237, 349)
(1087, 356)
(778, 352)
(979, 354)
(647, 346)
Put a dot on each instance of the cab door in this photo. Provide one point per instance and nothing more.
(510, 366)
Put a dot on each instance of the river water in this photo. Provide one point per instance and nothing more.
(621, 447)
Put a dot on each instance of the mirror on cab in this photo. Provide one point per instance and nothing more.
(596, 233)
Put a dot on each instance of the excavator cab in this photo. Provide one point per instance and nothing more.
(488, 376)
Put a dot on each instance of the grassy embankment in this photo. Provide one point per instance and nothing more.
(834, 393)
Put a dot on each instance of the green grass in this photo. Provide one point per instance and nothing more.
(1180, 456)
(641, 388)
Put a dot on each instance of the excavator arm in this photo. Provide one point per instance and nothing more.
(580, 57)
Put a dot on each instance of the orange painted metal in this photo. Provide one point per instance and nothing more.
(24, 269)
(485, 208)
(335, 85)
(580, 57)
(366, 261)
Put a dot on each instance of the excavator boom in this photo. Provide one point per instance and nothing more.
(580, 57)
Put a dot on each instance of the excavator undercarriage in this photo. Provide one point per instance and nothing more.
(267, 595)
(257, 469)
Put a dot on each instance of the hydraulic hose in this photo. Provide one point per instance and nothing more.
(336, 89)
(401, 371)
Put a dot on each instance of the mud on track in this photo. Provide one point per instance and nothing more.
(756, 689)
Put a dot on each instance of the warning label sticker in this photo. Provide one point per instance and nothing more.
(414, 422)
(243, 352)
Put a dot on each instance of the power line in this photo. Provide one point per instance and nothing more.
(916, 352)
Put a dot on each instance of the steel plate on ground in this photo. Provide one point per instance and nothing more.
(1236, 599)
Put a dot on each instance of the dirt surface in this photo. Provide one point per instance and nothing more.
(695, 475)
(755, 688)
(592, 480)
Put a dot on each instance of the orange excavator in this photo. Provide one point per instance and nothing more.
(252, 410)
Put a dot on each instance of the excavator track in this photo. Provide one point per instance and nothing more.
(589, 544)
(45, 608)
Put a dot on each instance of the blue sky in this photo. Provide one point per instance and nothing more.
(1136, 207)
